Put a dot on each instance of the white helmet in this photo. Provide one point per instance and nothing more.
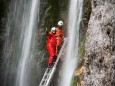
(60, 23)
(53, 28)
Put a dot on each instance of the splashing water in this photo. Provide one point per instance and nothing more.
(74, 18)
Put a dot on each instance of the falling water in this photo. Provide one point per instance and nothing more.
(21, 25)
(74, 18)
(22, 77)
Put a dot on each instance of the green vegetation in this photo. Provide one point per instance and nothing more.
(81, 52)
(49, 13)
(3, 6)
(74, 81)
(80, 61)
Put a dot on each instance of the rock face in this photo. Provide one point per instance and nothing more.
(100, 45)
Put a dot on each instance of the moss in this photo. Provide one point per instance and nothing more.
(86, 16)
(81, 52)
(74, 81)
(49, 13)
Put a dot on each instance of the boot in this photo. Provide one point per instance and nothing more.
(50, 65)
(54, 59)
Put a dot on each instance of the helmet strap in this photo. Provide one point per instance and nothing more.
(60, 27)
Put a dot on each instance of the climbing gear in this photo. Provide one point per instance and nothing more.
(53, 28)
(60, 23)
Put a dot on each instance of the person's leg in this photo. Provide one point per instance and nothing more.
(56, 50)
(54, 59)
(52, 53)
(58, 46)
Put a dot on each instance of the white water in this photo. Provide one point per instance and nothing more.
(23, 75)
(74, 18)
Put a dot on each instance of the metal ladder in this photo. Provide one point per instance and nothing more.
(50, 71)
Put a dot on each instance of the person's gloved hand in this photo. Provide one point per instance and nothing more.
(46, 29)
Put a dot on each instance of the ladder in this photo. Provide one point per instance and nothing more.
(50, 71)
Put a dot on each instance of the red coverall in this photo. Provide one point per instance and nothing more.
(59, 38)
(51, 45)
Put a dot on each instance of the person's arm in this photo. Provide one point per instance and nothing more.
(47, 33)
(50, 34)
(63, 34)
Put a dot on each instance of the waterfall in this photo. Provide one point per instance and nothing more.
(74, 18)
(17, 59)
(23, 70)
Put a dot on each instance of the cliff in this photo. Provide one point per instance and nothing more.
(99, 59)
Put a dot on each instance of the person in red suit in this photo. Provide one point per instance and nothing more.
(59, 36)
(51, 45)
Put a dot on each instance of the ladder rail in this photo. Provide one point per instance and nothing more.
(65, 41)
(45, 74)
(51, 72)
(50, 77)
(54, 67)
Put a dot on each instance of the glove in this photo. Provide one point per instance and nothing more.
(46, 32)
(46, 29)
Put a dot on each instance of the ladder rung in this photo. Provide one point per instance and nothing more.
(46, 76)
(48, 70)
(43, 83)
(45, 79)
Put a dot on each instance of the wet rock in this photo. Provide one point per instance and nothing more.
(85, 18)
(99, 56)
(79, 74)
